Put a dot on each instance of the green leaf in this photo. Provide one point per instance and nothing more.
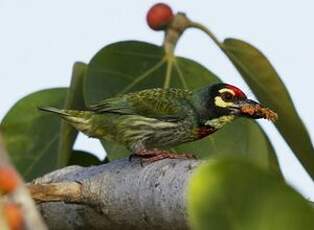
(83, 158)
(131, 66)
(74, 100)
(114, 151)
(233, 194)
(31, 136)
(266, 84)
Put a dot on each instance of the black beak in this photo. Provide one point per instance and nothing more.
(247, 108)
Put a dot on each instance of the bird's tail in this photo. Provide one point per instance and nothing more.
(49, 109)
(80, 120)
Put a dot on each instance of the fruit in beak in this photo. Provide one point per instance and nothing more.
(252, 109)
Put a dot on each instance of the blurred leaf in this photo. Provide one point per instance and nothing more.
(132, 66)
(233, 194)
(114, 151)
(74, 100)
(83, 158)
(31, 136)
(270, 90)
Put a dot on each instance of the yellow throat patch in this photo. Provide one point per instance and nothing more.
(219, 122)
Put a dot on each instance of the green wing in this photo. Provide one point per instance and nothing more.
(164, 104)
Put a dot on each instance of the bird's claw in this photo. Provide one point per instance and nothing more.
(149, 157)
(131, 156)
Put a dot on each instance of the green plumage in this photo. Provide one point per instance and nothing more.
(154, 103)
(148, 118)
(153, 118)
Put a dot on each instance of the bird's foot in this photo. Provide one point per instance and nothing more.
(151, 155)
(167, 155)
(141, 155)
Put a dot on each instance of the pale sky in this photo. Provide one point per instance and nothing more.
(41, 39)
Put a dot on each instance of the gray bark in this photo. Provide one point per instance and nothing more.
(117, 195)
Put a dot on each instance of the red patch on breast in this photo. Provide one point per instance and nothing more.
(204, 131)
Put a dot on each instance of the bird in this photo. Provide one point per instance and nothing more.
(151, 120)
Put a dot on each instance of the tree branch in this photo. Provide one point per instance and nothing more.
(117, 195)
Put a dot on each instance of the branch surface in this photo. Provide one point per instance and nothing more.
(117, 195)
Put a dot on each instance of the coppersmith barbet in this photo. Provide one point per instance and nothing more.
(152, 119)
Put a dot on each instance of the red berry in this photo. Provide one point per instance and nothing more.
(159, 16)
(9, 180)
(13, 216)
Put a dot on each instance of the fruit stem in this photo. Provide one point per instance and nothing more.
(178, 25)
(168, 73)
(208, 32)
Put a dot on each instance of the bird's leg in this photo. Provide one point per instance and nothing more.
(152, 155)
(142, 153)
(160, 155)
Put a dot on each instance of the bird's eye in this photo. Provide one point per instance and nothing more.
(226, 96)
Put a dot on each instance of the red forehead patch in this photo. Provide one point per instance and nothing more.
(238, 92)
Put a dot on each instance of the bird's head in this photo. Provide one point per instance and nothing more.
(224, 100)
